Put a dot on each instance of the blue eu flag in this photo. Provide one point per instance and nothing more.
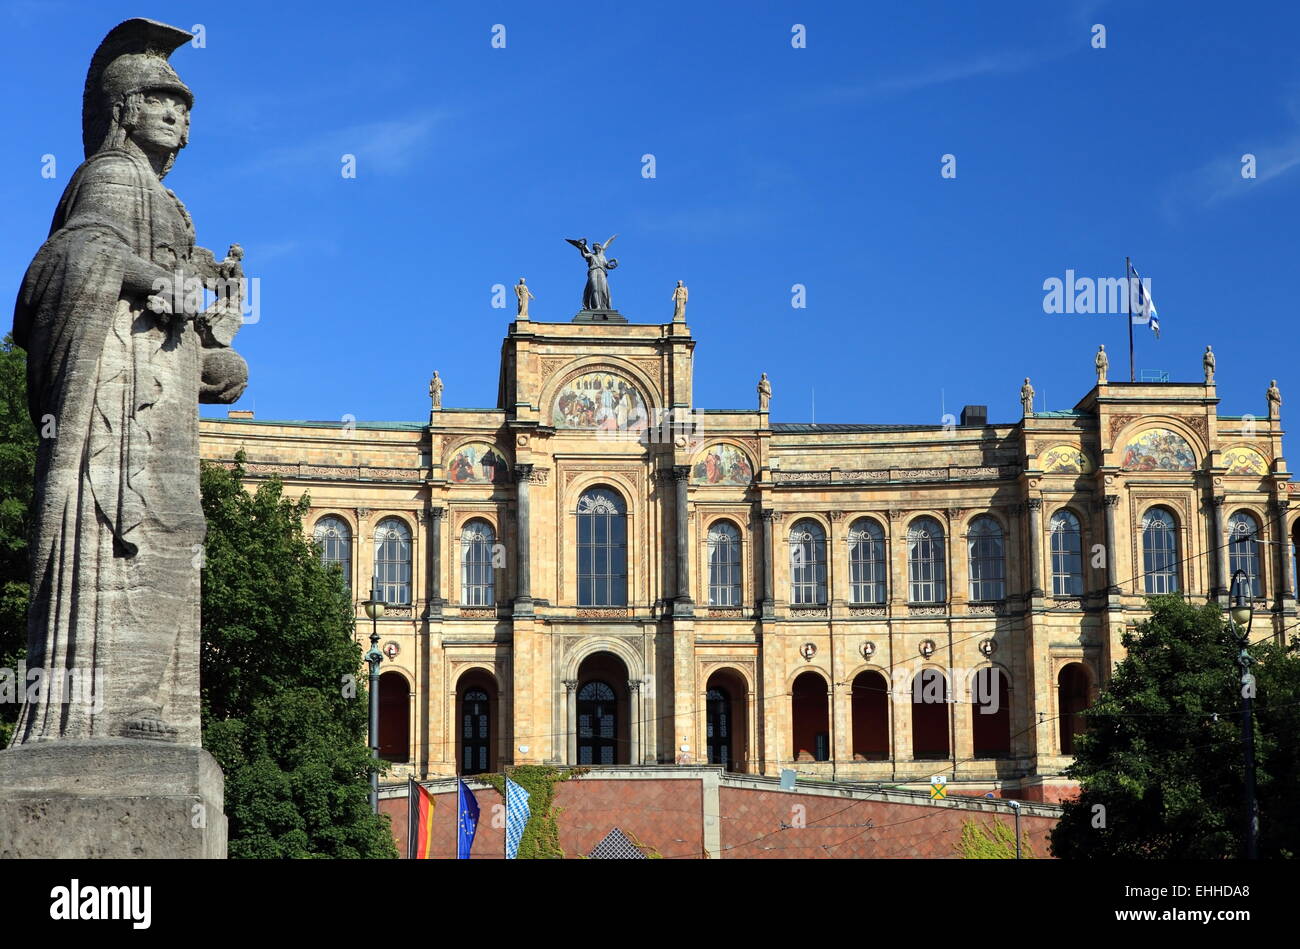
(466, 821)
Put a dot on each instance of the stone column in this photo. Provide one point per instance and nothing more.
(1035, 507)
(434, 561)
(1112, 546)
(1222, 579)
(523, 561)
(1280, 508)
(769, 577)
(571, 719)
(683, 605)
(634, 721)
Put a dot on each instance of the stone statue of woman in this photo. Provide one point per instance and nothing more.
(595, 296)
(118, 358)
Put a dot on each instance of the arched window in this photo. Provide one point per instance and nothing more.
(867, 561)
(990, 713)
(926, 573)
(988, 567)
(597, 724)
(393, 562)
(394, 717)
(724, 564)
(477, 578)
(1072, 699)
(1243, 549)
(930, 700)
(602, 549)
(1160, 551)
(807, 564)
(335, 539)
(475, 731)
(718, 724)
(1067, 555)
(810, 718)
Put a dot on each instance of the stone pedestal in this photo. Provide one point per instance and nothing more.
(107, 798)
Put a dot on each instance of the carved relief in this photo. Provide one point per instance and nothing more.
(1118, 423)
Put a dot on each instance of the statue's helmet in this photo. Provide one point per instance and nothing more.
(132, 58)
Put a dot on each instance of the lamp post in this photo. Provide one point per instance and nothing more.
(374, 609)
(1015, 805)
(1241, 614)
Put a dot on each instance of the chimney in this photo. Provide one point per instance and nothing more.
(248, 413)
(975, 415)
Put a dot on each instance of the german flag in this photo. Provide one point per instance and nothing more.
(419, 820)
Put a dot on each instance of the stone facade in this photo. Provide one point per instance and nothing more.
(605, 412)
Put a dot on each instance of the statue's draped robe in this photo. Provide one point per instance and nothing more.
(118, 533)
(595, 296)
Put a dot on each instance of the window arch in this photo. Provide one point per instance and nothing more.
(807, 564)
(1160, 551)
(393, 561)
(335, 539)
(1067, 554)
(867, 561)
(477, 576)
(1243, 549)
(988, 565)
(724, 564)
(926, 571)
(602, 548)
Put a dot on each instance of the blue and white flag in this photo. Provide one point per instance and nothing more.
(466, 821)
(1144, 308)
(517, 814)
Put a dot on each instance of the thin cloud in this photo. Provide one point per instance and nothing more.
(387, 147)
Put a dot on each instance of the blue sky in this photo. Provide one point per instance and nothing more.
(775, 166)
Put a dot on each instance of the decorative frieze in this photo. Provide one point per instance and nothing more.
(868, 611)
(985, 609)
(604, 612)
(808, 611)
(937, 610)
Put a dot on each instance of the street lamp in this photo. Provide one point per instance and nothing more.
(374, 609)
(1015, 805)
(1241, 614)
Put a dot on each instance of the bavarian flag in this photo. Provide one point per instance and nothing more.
(419, 821)
(517, 814)
(466, 820)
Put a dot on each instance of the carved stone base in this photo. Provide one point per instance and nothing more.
(111, 798)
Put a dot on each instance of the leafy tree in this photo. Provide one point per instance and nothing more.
(284, 710)
(17, 474)
(1161, 765)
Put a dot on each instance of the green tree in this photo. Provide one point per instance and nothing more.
(284, 708)
(1161, 766)
(17, 474)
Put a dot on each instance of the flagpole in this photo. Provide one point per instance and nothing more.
(412, 815)
(1128, 279)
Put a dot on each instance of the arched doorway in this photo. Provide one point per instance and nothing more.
(603, 733)
(726, 720)
(1072, 696)
(870, 717)
(394, 717)
(476, 717)
(810, 714)
(930, 716)
(990, 713)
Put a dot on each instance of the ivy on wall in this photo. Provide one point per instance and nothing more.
(541, 837)
(991, 841)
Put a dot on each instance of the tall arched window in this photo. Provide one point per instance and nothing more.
(724, 564)
(476, 731)
(988, 566)
(477, 577)
(1067, 555)
(597, 724)
(1243, 548)
(867, 561)
(926, 573)
(602, 549)
(807, 564)
(1160, 551)
(393, 562)
(335, 539)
